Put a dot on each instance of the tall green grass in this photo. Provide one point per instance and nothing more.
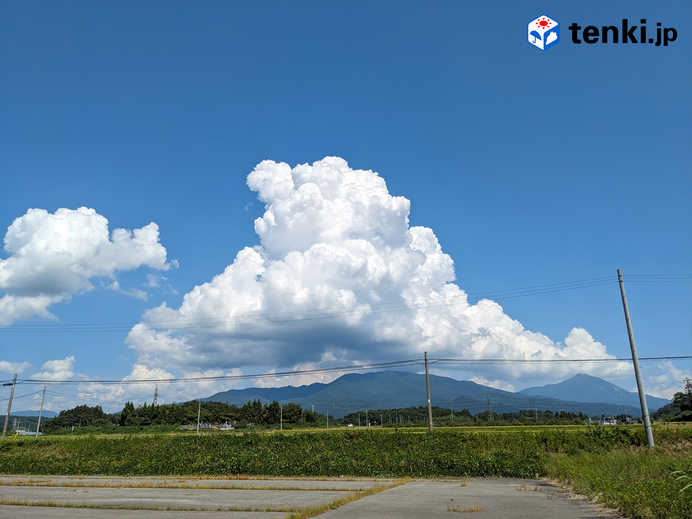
(357, 453)
(640, 484)
(335, 453)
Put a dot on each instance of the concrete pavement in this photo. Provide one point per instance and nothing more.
(249, 483)
(265, 498)
(483, 498)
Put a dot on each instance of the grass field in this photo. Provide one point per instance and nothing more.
(612, 464)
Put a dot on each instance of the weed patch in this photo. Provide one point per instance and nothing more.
(640, 484)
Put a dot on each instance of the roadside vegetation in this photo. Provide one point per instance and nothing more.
(641, 484)
(610, 463)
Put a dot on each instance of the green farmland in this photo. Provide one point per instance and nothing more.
(612, 463)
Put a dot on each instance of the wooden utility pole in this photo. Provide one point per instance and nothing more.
(635, 361)
(427, 384)
(9, 406)
(38, 425)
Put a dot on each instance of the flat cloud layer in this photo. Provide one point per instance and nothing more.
(342, 277)
(53, 256)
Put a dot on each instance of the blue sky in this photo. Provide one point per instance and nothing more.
(529, 167)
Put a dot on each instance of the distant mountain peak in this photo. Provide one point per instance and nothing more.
(398, 389)
(587, 388)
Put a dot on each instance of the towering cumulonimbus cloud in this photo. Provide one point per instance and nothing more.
(54, 256)
(340, 277)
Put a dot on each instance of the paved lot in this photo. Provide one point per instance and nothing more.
(176, 498)
(276, 498)
(39, 512)
(498, 498)
(232, 483)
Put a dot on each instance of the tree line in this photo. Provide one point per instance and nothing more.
(443, 417)
(255, 413)
(251, 413)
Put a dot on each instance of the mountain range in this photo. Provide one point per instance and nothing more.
(397, 389)
(44, 415)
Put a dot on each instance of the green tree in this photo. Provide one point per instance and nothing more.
(272, 413)
(292, 413)
(127, 411)
(683, 399)
(252, 412)
(80, 416)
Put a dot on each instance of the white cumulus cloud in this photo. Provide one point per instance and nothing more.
(53, 256)
(14, 367)
(342, 277)
(663, 380)
(57, 370)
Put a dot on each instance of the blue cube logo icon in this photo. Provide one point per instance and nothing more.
(543, 32)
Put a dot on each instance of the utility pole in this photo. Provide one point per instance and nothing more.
(427, 385)
(635, 361)
(156, 396)
(490, 409)
(367, 424)
(38, 425)
(9, 406)
(199, 412)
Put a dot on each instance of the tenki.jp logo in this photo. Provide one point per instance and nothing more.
(544, 33)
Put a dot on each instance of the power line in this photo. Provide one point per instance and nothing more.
(82, 397)
(351, 368)
(553, 361)
(354, 367)
(300, 316)
(18, 397)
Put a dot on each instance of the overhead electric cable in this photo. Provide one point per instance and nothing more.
(18, 397)
(553, 361)
(300, 316)
(354, 367)
(82, 397)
